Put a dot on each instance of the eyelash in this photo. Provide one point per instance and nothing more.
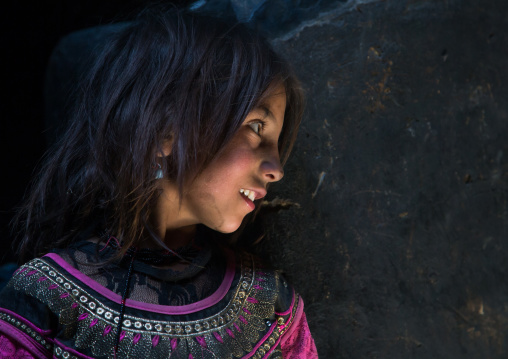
(261, 124)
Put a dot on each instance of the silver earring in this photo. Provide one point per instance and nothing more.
(159, 173)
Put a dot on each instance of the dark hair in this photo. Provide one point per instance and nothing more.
(166, 76)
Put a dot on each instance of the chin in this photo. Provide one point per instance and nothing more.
(228, 228)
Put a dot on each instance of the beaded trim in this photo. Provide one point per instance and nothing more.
(91, 306)
(283, 324)
(61, 353)
(232, 332)
(26, 329)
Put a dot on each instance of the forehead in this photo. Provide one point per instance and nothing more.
(273, 104)
(275, 92)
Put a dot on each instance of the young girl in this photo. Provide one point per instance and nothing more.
(179, 127)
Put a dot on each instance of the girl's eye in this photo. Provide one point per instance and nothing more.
(256, 127)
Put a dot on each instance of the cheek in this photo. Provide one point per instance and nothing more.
(233, 167)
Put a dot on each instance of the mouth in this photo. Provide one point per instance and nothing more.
(250, 196)
(248, 193)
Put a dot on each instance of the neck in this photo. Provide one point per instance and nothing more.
(179, 237)
(174, 238)
(175, 228)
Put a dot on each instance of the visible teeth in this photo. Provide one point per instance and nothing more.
(249, 194)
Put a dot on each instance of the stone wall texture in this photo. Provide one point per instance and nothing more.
(395, 224)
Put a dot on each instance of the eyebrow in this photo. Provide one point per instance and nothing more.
(267, 112)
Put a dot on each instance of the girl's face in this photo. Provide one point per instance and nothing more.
(222, 195)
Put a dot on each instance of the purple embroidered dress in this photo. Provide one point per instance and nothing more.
(64, 306)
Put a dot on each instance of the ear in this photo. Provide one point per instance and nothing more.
(167, 146)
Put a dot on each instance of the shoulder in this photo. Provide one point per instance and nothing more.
(266, 283)
(26, 322)
(43, 277)
(291, 336)
(285, 305)
(34, 284)
(41, 289)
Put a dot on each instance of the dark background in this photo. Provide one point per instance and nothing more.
(391, 219)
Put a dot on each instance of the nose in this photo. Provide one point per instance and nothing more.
(272, 169)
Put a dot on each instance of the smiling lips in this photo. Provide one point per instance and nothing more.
(249, 194)
(252, 195)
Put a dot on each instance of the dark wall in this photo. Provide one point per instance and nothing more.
(391, 219)
(399, 239)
